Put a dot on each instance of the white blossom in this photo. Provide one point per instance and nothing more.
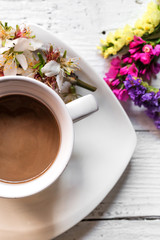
(50, 69)
(17, 51)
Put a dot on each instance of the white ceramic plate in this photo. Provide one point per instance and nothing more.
(104, 143)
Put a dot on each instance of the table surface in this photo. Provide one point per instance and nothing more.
(132, 208)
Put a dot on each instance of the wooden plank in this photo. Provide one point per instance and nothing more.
(115, 230)
(138, 191)
(77, 16)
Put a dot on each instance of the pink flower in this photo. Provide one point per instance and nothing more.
(137, 41)
(116, 92)
(147, 48)
(124, 70)
(145, 58)
(133, 70)
(115, 83)
(136, 56)
(156, 50)
(114, 69)
(121, 94)
(142, 71)
(112, 84)
(107, 81)
(112, 73)
(134, 50)
(116, 62)
(127, 59)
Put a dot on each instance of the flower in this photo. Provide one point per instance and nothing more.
(114, 69)
(69, 65)
(121, 94)
(52, 54)
(14, 54)
(144, 96)
(127, 76)
(23, 32)
(124, 70)
(133, 70)
(145, 58)
(52, 68)
(22, 54)
(156, 50)
(147, 48)
(145, 26)
(6, 32)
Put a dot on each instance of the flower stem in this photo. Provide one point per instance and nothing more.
(85, 85)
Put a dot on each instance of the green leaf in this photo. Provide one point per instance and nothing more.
(41, 59)
(17, 27)
(36, 65)
(18, 52)
(64, 54)
(3, 42)
(40, 72)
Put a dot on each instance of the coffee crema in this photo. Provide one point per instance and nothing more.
(29, 138)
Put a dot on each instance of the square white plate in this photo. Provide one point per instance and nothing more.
(104, 144)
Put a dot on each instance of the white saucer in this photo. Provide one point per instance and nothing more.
(104, 143)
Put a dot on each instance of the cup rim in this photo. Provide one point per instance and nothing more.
(24, 189)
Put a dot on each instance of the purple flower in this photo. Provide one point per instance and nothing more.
(157, 122)
(147, 96)
(155, 115)
(130, 82)
(135, 89)
(141, 97)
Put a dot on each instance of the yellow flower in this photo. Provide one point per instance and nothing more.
(119, 44)
(118, 33)
(138, 24)
(128, 34)
(121, 37)
(151, 7)
(148, 28)
(138, 32)
(106, 54)
(110, 37)
(103, 42)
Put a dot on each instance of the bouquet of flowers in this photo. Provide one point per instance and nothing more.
(130, 75)
(22, 54)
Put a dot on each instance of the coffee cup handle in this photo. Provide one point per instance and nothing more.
(82, 107)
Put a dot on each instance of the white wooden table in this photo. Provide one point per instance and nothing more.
(132, 209)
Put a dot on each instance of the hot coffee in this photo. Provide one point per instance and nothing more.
(29, 138)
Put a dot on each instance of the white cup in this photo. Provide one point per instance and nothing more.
(65, 115)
